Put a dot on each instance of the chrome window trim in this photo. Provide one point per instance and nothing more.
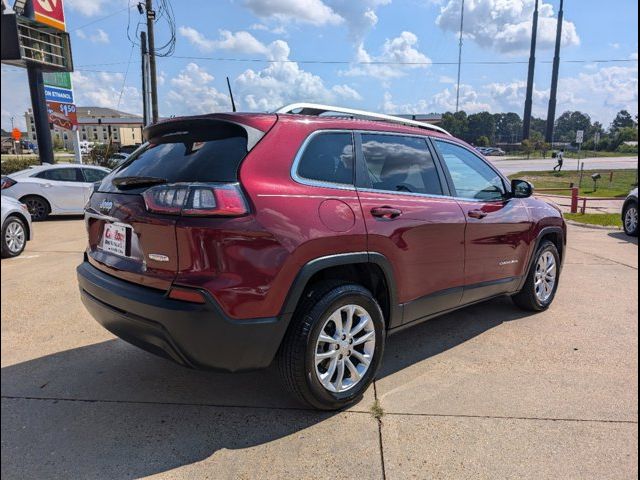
(319, 183)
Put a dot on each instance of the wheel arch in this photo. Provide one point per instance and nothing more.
(557, 236)
(372, 270)
(38, 195)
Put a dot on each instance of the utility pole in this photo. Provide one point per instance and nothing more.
(460, 56)
(145, 78)
(528, 104)
(551, 114)
(151, 16)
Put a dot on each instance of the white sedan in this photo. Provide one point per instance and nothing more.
(61, 189)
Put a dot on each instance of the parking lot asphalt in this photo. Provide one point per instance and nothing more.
(486, 392)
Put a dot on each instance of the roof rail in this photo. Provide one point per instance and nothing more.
(318, 109)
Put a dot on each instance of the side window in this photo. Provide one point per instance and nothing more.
(472, 177)
(62, 175)
(93, 175)
(328, 157)
(400, 164)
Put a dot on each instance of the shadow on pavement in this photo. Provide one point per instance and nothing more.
(623, 237)
(115, 411)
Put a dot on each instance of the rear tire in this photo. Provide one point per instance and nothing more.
(316, 349)
(38, 207)
(542, 282)
(630, 219)
(14, 237)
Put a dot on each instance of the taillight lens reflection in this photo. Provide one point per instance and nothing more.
(7, 182)
(224, 199)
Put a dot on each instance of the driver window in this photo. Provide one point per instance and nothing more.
(472, 177)
(398, 163)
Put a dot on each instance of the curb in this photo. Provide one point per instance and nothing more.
(593, 227)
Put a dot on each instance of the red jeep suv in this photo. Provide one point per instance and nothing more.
(230, 240)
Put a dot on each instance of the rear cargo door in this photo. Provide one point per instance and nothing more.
(131, 242)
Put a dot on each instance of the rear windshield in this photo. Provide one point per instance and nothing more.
(198, 155)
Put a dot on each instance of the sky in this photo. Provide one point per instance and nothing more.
(395, 56)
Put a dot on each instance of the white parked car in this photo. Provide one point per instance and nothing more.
(16, 227)
(60, 189)
(630, 214)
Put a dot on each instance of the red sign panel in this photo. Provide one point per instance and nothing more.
(50, 12)
(63, 115)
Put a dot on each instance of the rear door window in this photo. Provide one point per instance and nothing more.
(61, 175)
(93, 174)
(398, 163)
(190, 155)
(328, 157)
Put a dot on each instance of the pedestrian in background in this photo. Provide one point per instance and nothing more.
(560, 159)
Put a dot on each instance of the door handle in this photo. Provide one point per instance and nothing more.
(479, 214)
(386, 212)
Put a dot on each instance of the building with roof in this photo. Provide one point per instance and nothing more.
(95, 125)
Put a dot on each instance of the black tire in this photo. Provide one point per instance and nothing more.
(631, 206)
(38, 207)
(296, 357)
(527, 298)
(7, 252)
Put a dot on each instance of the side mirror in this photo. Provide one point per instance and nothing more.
(521, 189)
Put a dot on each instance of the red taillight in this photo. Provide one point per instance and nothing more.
(223, 199)
(186, 295)
(7, 182)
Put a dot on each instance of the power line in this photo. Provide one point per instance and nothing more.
(113, 14)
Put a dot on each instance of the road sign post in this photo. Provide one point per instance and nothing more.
(579, 140)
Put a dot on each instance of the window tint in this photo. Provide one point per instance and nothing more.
(400, 164)
(211, 154)
(472, 177)
(328, 157)
(61, 175)
(93, 175)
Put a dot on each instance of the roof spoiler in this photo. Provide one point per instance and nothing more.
(316, 109)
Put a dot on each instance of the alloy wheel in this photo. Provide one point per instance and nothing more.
(546, 276)
(631, 219)
(345, 348)
(36, 208)
(14, 237)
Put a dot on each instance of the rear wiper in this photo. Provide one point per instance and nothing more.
(132, 182)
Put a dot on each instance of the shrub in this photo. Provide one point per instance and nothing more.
(623, 148)
(12, 165)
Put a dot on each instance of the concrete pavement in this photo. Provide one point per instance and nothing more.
(486, 392)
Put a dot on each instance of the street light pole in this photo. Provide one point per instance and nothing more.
(460, 56)
(551, 114)
(528, 103)
(151, 16)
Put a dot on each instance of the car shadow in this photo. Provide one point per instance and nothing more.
(623, 237)
(109, 410)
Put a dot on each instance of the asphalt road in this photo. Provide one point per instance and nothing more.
(509, 165)
(487, 392)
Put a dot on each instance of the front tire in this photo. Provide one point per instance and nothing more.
(630, 219)
(541, 286)
(14, 237)
(333, 347)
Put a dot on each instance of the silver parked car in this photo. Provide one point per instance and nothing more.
(630, 214)
(16, 227)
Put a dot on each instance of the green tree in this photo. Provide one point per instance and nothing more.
(527, 146)
(538, 125)
(456, 123)
(479, 125)
(623, 120)
(569, 123)
(483, 141)
(508, 127)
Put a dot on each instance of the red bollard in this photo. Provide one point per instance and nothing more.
(574, 200)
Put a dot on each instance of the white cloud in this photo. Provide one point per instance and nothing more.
(398, 51)
(505, 25)
(238, 42)
(91, 8)
(103, 90)
(360, 15)
(100, 36)
(192, 92)
(263, 28)
(443, 101)
(314, 12)
(80, 33)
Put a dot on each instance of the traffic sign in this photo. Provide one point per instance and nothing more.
(49, 12)
(16, 135)
(579, 136)
(596, 137)
(54, 94)
(57, 79)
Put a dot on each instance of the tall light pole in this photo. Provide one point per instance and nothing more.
(460, 56)
(528, 103)
(151, 16)
(551, 114)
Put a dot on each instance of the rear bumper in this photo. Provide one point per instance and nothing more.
(193, 335)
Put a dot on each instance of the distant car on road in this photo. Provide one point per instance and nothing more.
(494, 152)
(60, 189)
(16, 227)
(630, 214)
(117, 159)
